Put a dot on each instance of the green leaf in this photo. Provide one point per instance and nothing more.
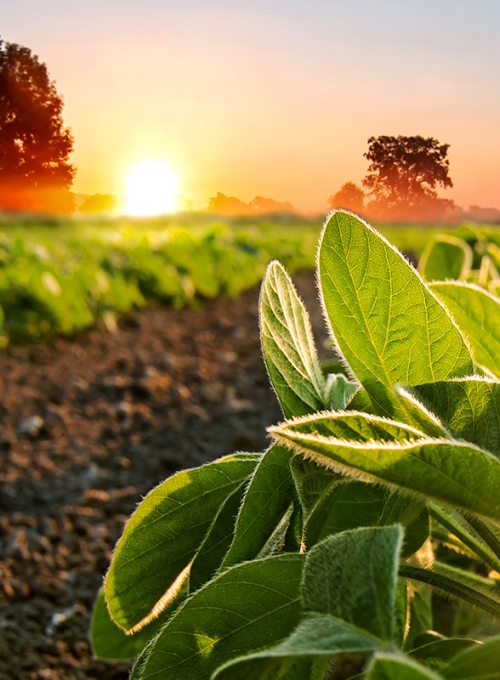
(112, 643)
(353, 426)
(481, 662)
(216, 544)
(450, 471)
(388, 666)
(338, 391)
(240, 611)
(311, 481)
(419, 415)
(352, 576)
(477, 314)
(458, 526)
(388, 325)
(334, 508)
(469, 407)
(288, 345)
(347, 505)
(267, 499)
(445, 258)
(153, 555)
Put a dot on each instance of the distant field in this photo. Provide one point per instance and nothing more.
(58, 276)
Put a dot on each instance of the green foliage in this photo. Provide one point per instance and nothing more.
(327, 547)
(59, 279)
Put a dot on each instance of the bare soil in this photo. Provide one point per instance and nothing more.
(90, 424)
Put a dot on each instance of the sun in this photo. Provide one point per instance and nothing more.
(151, 189)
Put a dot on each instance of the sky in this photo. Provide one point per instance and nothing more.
(269, 97)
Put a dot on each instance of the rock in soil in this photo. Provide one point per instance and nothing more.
(90, 424)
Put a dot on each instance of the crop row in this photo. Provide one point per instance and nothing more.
(59, 279)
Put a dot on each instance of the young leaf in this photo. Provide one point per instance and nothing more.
(352, 576)
(163, 535)
(389, 326)
(288, 345)
(446, 257)
(477, 314)
(242, 610)
(450, 471)
(267, 499)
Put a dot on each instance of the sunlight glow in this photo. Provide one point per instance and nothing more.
(151, 189)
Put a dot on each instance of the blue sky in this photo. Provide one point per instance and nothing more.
(272, 98)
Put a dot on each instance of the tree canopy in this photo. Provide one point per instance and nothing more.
(350, 197)
(403, 177)
(35, 171)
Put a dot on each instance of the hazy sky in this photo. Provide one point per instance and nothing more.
(274, 98)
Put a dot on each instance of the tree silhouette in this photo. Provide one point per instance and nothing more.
(35, 172)
(350, 197)
(403, 175)
(268, 206)
(227, 205)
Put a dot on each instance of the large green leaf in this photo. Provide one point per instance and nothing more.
(163, 535)
(267, 499)
(288, 345)
(387, 666)
(450, 471)
(477, 314)
(244, 609)
(389, 326)
(446, 257)
(481, 662)
(470, 407)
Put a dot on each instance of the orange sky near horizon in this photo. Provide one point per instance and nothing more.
(270, 98)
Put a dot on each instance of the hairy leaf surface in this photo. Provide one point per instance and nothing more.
(288, 345)
(451, 471)
(389, 326)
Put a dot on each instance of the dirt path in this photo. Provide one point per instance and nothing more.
(87, 426)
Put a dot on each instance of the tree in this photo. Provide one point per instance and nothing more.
(268, 206)
(350, 197)
(35, 172)
(227, 205)
(403, 175)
